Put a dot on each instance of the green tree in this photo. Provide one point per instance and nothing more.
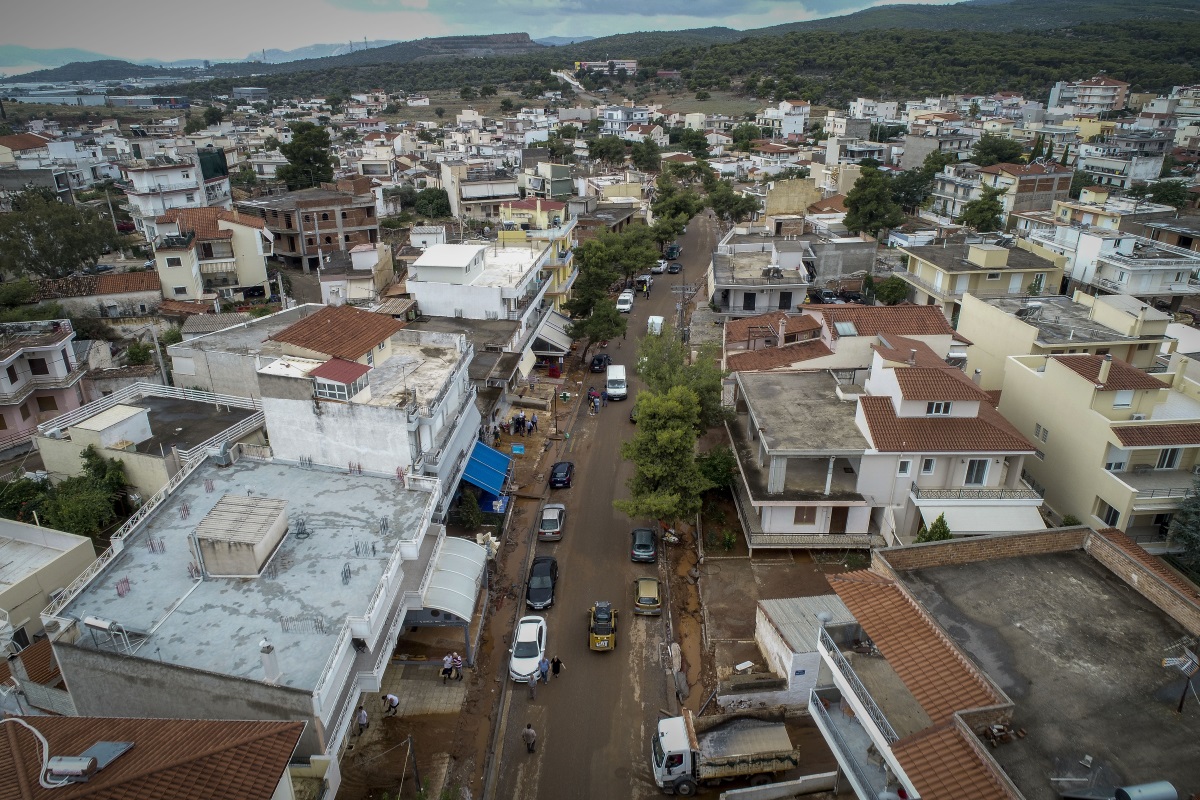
(990, 149)
(17, 293)
(1170, 193)
(703, 95)
(869, 204)
(172, 335)
(432, 203)
(603, 324)
(911, 187)
(1185, 526)
(596, 262)
(138, 353)
(730, 205)
(506, 105)
(1066, 151)
(983, 215)
(718, 466)
(439, 112)
(939, 531)
(646, 156)
(193, 125)
(469, 513)
(1037, 151)
(694, 141)
(662, 362)
(467, 93)
(666, 483)
(309, 161)
(487, 90)
(891, 291)
(213, 115)
(744, 135)
(1080, 181)
(607, 150)
(45, 238)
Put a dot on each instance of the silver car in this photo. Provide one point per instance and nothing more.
(554, 517)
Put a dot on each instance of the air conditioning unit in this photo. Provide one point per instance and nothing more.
(1137, 417)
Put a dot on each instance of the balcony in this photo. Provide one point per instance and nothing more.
(848, 741)
(979, 493)
(164, 187)
(1156, 489)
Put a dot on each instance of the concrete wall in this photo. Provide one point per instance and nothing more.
(213, 371)
(843, 258)
(893, 560)
(455, 300)
(995, 336)
(132, 304)
(1180, 607)
(791, 196)
(147, 473)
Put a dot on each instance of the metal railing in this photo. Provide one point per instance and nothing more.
(139, 390)
(962, 493)
(860, 691)
(250, 423)
(1179, 492)
(818, 709)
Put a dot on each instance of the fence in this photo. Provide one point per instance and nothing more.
(139, 390)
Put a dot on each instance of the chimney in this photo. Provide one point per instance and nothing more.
(912, 357)
(1105, 366)
(782, 329)
(977, 378)
(270, 662)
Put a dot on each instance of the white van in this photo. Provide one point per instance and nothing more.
(625, 302)
(616, 386)
(654, 326)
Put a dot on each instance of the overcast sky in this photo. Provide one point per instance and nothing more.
(231, 29)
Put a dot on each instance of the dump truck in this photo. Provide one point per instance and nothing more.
(688, 751)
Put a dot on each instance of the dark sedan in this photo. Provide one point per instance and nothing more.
(543, 577)
(645, 545)
(675, 268)
(600, 362)
(562, 474)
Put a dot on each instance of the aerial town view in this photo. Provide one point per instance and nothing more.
(449, 400)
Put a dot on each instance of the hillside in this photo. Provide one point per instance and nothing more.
(274, 56)
(103, 70)
(17, 58)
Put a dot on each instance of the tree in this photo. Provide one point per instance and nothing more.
(891, 291)
(469, 512)
(1066, 151)
(138, 353)
(506, 105)
(432, 203)
(744, 134)
(45, 238)
(730, 205)
(608, 150)
(1185, 527)
(1080, 181)
(666, 483)
(694, 141)
(990, 149)
(646, 156)
(309, 160)
(439, 112)
(604, 324)
(1170, 193)
(467, 93)
(911, 187)
(597, 270)
(718, 466)
(487, 90)
(983, 214)
(270, 143)
(1037, 152)
(939, 531)
(869, 204)
(662, 362)
(703, 95)
(213, 115)
(193, 125)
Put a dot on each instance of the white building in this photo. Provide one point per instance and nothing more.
(874, 110)
(164, 182)
(787, 120)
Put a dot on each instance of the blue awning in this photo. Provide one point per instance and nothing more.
(487, 468)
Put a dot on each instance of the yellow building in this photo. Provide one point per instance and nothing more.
(36, 563)
(943, 275)
(1116, 447)
(534, 219)
(203, 253)
(999, 327)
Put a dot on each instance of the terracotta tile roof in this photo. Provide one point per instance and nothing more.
(1159, 435)
(172, 759)
(1121, 375)
(1184, 587)
(126, 282)
(903, 320)
(761, 325)
(23, 141)
(934, 671)
(775, 357)
(204, 221)
(39, 663)
(1035, 168)
(183, 308)
(987, 433)
(341, 331)
(935, 383)
(944, 765)
(899, 349)
(339, 370)
(834, 204)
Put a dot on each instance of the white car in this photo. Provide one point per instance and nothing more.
(660, 267)
(554, 516)
(625, 302)
(529, 647)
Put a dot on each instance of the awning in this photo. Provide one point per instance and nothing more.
(985, 519)
(551, 338)
(487, 468)
(457, 572)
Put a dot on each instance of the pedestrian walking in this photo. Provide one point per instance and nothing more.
(447, 667)
(533, 423)
(456, 662)
(532, 678)
(604, 398)
(595, 406)
(496, 437)
(390, 703)
(544, 669)
(529, 737)
(362, 719)
(556, 665)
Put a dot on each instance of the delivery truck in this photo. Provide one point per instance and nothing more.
(688, 751)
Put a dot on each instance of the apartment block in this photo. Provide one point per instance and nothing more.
(157, 184)
(41, 377)
(307, 223)
(1028, 187)
(1095, 95)
(205, 253)
(477, 188)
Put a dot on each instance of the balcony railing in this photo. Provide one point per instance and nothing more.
(1157, 494)
(963, 493)
(860, 691)
(826, 723)
(164, 187)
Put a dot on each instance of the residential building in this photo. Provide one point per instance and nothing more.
(547, 180)
(308, 223)
(942, 275)
(159, 183)
(954, 187)
(1124, 158)
(500, 280)
(918, 146)
(204, 253)
(536, 221)
(848, 126)
(156, 759)
(874, 110)
(612, 66)
(853, 150)
(357, 277)
(22, 145)
(615, 120)
(910, 698)
(1028, 187)
(477, 188)
(1117, 447)
(788, 120)
(645, 132)
(1095, 208)
(122, 297)
(1116, 324)
(251, 94)
(1093, 96)
(601, 217)
(154, 431)
(1181, 233)
(41, 377)
(35, 562)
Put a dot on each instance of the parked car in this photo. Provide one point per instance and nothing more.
(853, 297)
(674, 249)
(562, 474)
(645, 545)
(543, 577)
(602, 626)
(98, 269)
(600, 362)
(625, 302)
(674, 268)
(554, 517)
(529, 646)
(644, 283)
(126, 227)
(659, 268)
(647, 596)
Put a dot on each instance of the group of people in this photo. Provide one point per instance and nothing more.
(452, 667)
(519, 425)
(596, 400)
(545, 668)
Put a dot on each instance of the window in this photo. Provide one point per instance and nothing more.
(977, 469)
(937, 409)
(66, 359)
(47, 404)
(993, 276)
(370, 358)
(190, 197)
(748, 300)
(1143, 347)
(186, 174)
(805, 515)
(928, 465)
(328, 240)
(38, 366)
(1168, 458)
(180, 291)
(904, 468)
(332, 391)
(174, 261)
(346, 237)
(310, 240)
(308, 218)
(1123, 399)
(142, 307)
(382, 345)
(1107, 513)
(344, 215)
(324, 217)
(11, 372)
(25, 411)
(1102, 351)
(1039, 455)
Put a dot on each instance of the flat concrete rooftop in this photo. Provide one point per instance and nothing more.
(215, 625)
(1078, 651)
(800, 413)
(506, 266)
(422, 369)
(184, 423)
(251, 338)
(1059, 319)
